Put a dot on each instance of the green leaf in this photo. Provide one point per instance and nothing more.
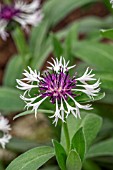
(88, 50)
(104, 148)
(90, 165)
(13, 71)
(73, 125)
(69, 43)
(106, 79)
(91, 124)
(32, 159)
(78, 143)
(57, 47)
(73, 161)
(39, 61)
(10, 100)
(37, 38)
(60, 154)
(90, 24)
(107, 33)
(30, 112)
(21, 145)
(55, 11)
(19, 39)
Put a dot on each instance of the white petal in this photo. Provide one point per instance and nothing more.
(31, 76)
(62, 111)
(28, 8)
(58, 65)
(57, 115)
(70, 109)
(85, 107)
(29, 14)
(89, 89)
(25, 86)
(3, 25)
(86, 76)
(36, 105)
(4, 140)
(31, 99)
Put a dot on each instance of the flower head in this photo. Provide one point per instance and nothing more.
(57, 85)
(21, 12)
(4, 128)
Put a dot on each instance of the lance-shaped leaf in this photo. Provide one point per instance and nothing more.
(91, 124)
(10, 76)
(60, 154)
(73, 161)
(78, 143)
(10, 100)
(104, 148)
(32, 159)
(57, 47)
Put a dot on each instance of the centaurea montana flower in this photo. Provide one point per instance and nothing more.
(21, 12)
(4, 128)
(57, 85)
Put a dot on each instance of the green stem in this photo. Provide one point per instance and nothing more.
(67, 138)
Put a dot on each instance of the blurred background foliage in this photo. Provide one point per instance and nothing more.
(76, 30)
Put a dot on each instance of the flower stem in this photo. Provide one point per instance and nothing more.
(67, 138)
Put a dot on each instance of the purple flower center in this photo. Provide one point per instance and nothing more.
(57, 86)
(8, 12)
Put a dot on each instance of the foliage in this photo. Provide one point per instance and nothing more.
(87, 148)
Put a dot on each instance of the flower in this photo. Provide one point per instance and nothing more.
(21, 12)
(57, 85)
(4, 127)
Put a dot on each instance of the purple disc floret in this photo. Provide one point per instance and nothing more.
(57, 85)
(8, 12)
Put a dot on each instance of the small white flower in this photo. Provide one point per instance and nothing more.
(59, 87)
(21, 12)
(4, 128)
